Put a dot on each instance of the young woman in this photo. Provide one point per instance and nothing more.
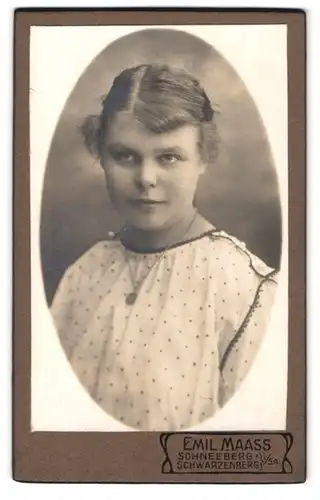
(161, 321)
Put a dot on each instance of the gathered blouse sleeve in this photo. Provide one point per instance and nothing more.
(252, 287)
(72, 300)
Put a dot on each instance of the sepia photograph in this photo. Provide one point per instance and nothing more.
(159, 233)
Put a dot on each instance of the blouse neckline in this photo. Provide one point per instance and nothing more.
(148, 250)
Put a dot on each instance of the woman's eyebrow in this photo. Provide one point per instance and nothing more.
(119, 146)
(170, 149)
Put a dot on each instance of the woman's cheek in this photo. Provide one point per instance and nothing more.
(184, 185)
(118, 181)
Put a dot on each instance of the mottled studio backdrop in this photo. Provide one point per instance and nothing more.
(239, 193)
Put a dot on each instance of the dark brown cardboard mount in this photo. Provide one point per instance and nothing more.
(148, 457)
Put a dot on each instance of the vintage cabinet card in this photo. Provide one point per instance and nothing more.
(159, 246)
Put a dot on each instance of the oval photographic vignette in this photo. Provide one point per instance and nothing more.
(70, 225)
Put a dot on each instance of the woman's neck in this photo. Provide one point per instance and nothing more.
(189, 227)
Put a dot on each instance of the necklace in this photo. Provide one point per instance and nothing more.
(132, 296)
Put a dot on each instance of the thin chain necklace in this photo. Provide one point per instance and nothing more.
(132, 296)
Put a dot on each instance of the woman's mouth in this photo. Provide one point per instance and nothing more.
(147, 203)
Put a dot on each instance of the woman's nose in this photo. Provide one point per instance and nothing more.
(146, 175)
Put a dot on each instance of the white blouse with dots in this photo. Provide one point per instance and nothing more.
(178, 353)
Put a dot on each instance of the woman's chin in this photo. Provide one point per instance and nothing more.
(145, 226)
(146, 223)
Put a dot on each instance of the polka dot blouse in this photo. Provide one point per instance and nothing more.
(176, 355)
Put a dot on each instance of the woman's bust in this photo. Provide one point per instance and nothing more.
(162, 321)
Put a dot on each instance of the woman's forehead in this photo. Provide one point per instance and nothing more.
(125, 129)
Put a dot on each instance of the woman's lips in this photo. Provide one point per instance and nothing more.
(147, 204)
(147, 201)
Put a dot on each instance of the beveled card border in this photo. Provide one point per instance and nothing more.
(138, 457)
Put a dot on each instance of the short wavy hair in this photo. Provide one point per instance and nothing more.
(161, 98)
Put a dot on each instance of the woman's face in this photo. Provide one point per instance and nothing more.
(151, 178)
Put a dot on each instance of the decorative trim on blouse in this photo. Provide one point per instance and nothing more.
(256, 264)
(246, 320)
(162, 249)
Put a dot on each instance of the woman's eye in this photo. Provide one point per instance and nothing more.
(168, 159)
(125, 158)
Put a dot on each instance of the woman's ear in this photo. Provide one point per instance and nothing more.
(203, 160)
(102, 156)
(203, 166)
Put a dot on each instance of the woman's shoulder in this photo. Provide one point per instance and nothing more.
(97, 256)
(90, 265)
(236, 255)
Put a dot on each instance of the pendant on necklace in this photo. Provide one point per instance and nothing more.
(131, 298)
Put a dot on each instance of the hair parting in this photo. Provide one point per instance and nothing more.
(161, 98)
